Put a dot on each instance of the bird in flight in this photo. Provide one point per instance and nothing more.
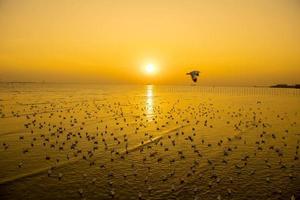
(194, 74)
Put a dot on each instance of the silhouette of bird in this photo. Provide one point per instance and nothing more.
(194, 75)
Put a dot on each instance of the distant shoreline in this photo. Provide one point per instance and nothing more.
(296, 86)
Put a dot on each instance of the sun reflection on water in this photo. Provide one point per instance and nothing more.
(149, 100)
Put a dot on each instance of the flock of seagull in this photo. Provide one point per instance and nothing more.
(152, 147)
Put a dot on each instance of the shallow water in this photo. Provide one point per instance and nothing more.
(148, 142)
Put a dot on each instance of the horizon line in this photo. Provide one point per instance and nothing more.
(88, 83)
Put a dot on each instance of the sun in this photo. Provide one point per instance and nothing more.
(150, 68)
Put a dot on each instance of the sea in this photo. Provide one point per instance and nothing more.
(93, 141)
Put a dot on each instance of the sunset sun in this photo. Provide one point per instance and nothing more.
(150, 69)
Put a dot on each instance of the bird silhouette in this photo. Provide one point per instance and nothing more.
(194, 75)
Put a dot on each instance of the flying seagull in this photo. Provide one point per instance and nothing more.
(194, 74)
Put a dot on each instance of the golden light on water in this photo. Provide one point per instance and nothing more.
(149, 101)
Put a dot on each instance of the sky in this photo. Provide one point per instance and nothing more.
(232, 42)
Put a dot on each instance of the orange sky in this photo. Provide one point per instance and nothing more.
(233, 42)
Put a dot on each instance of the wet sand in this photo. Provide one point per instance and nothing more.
(148, 142)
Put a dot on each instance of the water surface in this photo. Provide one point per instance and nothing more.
(148, 142)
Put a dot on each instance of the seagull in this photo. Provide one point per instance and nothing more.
(194, 74)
